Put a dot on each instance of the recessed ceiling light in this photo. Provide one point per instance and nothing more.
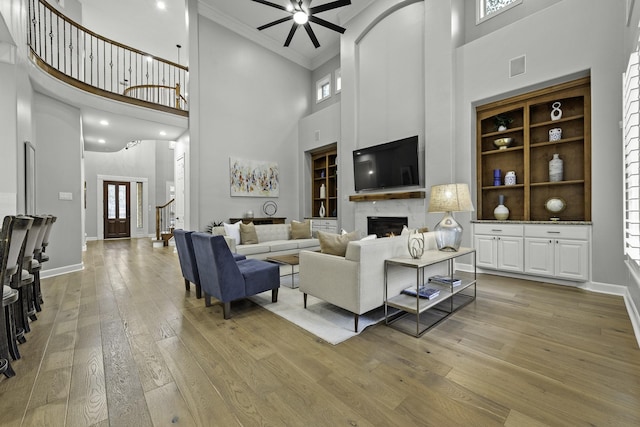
(104, 123)
(161, 5)
(163, 133)
(102, 141)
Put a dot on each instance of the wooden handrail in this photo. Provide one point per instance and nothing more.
(108, 40)
(159, 216)
(78, 56)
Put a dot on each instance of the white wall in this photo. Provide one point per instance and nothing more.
(250, 102)
(58, 169)
(137, 162)
(556, 48)
(315, 131)
(328, 68)
(384, 48)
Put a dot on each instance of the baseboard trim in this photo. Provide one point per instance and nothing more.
(61, 270)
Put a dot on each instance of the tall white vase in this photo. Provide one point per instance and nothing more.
(556, 166)
(321, 213)
(323, 192)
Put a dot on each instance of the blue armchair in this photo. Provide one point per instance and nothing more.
(187, 258)
(226, 279)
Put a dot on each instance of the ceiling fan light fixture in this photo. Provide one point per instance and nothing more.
(300, 17)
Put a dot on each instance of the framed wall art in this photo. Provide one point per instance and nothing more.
(253, 178)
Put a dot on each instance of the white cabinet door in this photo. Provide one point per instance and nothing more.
(486, 251)
(510, 256)
(539, 256)
(571, 259)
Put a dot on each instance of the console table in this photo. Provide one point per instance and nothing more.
(259, 221)
(416, 314)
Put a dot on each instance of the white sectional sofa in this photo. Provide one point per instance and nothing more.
(273, 239)
(355, 282)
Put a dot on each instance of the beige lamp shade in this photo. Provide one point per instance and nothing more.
(450, 198)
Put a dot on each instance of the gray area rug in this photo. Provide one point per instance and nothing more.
(328, 322)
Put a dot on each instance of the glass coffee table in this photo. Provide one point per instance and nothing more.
(291, 260)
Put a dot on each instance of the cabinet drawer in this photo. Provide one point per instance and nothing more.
(557, 231)
(499, 229)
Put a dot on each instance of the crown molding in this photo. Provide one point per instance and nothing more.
(238, 27)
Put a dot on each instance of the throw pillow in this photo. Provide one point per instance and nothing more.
(336, 244)
(233, 231)
(248, 234)
(370, 237)
(300, 230)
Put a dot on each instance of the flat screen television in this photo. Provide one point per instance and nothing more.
(392, 164)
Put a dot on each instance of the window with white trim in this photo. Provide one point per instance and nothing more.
(489, 8)
(338, 78)
(323, 88)
(631, 141)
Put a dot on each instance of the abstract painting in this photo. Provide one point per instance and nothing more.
(253, 178)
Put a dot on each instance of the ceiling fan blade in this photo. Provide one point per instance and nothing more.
(271, 24)
(294, 27)
(329, 6)
(268, 3)
(312, 35)
(327, 24)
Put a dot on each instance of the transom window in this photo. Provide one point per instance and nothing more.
(323, 88)
(490, 8)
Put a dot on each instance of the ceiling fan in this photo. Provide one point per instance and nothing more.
(302, 14)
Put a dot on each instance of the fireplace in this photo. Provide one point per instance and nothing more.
(382, 226)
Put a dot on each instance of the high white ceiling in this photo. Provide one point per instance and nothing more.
(245, 16)
(138, 23)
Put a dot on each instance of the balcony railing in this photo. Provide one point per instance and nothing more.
(96, 64)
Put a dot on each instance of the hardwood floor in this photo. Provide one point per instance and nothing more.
(121, 343)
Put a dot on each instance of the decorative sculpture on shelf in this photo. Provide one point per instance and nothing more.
(415, 244)
(556, 112)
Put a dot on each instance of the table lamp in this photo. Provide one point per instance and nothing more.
(449, 198)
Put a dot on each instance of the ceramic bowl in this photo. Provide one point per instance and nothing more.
(502, 143)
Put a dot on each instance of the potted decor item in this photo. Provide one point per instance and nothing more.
(501, 212)
(502, 122)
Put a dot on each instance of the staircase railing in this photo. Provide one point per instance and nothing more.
(165, 219)
(102, 66)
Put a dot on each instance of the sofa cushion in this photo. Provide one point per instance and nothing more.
(336, 244)
(248, 234)
(283, 245)
(258, 248)
(307, 243)
(270, 232)
(300, 230)
(233, 230)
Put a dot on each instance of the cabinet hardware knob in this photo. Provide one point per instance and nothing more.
(553, 232)
(496, 230)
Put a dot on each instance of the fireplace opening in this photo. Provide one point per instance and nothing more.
(383, 226)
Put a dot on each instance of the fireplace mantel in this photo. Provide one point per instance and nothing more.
(387, 196)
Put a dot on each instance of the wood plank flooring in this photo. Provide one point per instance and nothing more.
(122, 344)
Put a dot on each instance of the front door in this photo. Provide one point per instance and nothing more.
(116, 210)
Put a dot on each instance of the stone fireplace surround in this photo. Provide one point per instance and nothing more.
(415, 210)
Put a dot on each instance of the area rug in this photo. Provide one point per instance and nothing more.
(326, 321)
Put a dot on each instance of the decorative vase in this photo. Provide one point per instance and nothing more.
(510, 178)
(322, 191)
(556, 169)
(321, 212)
(555, 134)
(556, 112)
(502, 128)
(501, 212)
